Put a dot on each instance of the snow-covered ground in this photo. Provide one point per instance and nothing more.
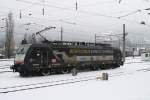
(129, 82)
(5, 65)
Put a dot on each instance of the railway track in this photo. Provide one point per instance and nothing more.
(5, 69)
(62, 82)
(134, 62)
(5, 72)
(6, 60)
(8, 67)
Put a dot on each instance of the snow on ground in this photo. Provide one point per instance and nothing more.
(6, 62)
(132, 85)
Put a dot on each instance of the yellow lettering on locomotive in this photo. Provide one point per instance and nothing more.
(79, 51)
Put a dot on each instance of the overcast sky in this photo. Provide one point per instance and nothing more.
(91, 17)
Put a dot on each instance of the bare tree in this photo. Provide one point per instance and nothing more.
(2, 46)
(9, 43)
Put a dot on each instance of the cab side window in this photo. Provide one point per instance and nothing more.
(35, 55)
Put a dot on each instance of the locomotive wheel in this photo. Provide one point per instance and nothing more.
(45, 72)
(94, 68)
(65, 71)
(23, 73)
(74, 72)
(103, 67)
(115, 66)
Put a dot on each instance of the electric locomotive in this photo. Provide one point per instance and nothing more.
(64, 56)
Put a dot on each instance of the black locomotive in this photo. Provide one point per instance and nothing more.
(64, 56)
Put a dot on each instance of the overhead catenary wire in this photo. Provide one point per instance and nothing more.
(79, 24)
(20, 11)
(82, 11)
(134, 12)
(82, 24)
(68, 9)
(59, 20)
(89, 13)
(96, 14)
(68, 5)
(131, 13)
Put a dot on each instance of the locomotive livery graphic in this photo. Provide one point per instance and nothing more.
(64, 57)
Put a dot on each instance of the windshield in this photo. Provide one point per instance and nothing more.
(21, 52)
(23, 49)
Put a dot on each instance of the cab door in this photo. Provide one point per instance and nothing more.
(35, 58)
(44, 57)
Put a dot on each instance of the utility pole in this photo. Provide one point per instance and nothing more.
(95, 38)
(119, 43)
(124, 40)
(61, 38)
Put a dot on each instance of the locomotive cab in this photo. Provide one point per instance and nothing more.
(32, 58)
(20, 54)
